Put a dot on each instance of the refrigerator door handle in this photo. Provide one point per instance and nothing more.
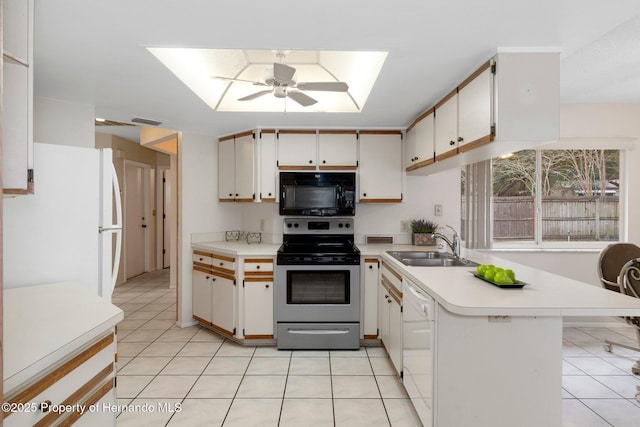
(116, 192)
(117, 227)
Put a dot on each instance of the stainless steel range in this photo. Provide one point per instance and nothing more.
(317, 290)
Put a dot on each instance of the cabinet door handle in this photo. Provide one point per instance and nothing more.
(324, 161)
(266, 286)
(364, 194)
(452, 142)
(371, 267)
(389, 301)
(310, 162)
(460, 139)
(269, 194)
(230, 194)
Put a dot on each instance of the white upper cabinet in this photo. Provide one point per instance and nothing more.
(226, 169)
(464, 118)
(380, 167)
(511, 102)
(297, 149)
(475, 109)
(446, 124)
(245, 167)
(236, 168)
(268, 171)
(338, 150)
(419, 146)
(17, 96)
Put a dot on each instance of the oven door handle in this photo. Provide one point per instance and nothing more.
(318, 331)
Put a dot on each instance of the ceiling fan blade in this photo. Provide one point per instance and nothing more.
(240, 80)
(301, 98)
(283, 72)
(255, 95)
(323, 86)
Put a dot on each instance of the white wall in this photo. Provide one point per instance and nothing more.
(63, 123)
(198, 207)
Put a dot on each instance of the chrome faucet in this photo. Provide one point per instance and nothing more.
(454, 243)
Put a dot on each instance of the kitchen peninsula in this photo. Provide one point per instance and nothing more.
(506, 341)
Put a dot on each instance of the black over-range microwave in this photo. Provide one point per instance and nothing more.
(317, 193)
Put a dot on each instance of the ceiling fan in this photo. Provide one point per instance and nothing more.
(281, 85)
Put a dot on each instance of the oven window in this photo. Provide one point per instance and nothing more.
(318, 287)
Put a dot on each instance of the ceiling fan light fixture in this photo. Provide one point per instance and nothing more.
(223, 78)
(279, 91)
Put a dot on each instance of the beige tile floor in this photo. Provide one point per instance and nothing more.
(191, 377)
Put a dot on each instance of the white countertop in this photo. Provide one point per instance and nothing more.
(545, 294)
(459, 292)
(45, 323)
(238, 248)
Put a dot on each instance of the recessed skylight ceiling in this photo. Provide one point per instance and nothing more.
(198, 69)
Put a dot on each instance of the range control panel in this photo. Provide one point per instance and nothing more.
(318, 226)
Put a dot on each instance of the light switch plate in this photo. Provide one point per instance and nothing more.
(437, 210)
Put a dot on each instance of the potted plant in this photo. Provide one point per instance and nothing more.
(422, 229)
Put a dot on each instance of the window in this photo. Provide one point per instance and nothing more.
(543, 197)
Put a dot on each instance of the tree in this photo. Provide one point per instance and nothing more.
(583, 172)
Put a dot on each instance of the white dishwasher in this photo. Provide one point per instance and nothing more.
(417, 349)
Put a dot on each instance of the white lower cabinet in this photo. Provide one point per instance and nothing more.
(214, 291)
(258, 308)
(223, 303)
(83, 382)
(390, 315)
(370, 280)
(202, 298)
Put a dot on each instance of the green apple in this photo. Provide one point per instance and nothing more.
(481, 269)
(501, 278)
(490, 272)
(511, 275)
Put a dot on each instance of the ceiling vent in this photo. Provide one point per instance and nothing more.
(104, 122)
(146, 121)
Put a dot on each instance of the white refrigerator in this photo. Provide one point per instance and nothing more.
(71, 228)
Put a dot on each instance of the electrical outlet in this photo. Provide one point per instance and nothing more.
(437, 210)
(404, 226)
(261, 224)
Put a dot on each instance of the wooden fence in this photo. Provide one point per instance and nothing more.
(577, 218)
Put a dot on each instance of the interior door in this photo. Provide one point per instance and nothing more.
(135, 224)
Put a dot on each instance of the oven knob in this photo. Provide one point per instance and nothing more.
(296, 225)
(289, 225)
(340, 225)
(347, 225)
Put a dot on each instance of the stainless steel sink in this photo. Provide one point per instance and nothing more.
(430, 259)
